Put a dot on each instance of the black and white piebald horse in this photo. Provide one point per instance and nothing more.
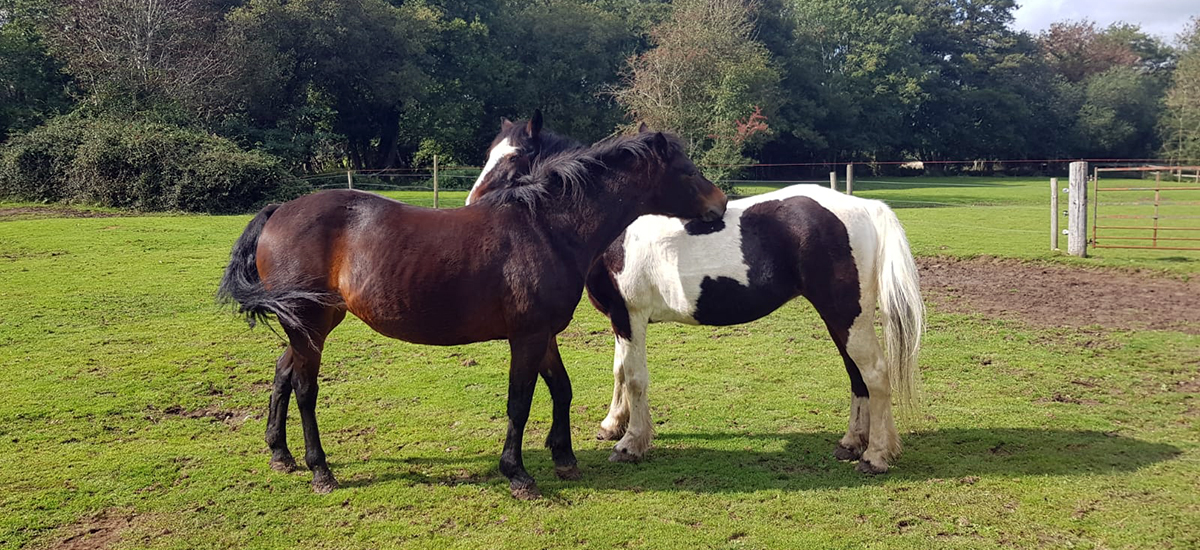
(844, 254)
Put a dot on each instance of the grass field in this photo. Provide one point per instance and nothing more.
(133, 408)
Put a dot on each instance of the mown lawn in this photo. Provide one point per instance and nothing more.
(129, 394)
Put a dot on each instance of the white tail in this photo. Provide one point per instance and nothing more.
(900, 303)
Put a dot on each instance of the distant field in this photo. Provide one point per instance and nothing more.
(133, 410)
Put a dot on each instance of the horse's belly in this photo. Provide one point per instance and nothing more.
(724, 301)
(423, 334)
(442, 322)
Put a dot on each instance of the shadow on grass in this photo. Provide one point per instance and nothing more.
(729, 462)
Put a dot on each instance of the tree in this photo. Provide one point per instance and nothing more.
(1118, 116)
(705, 72)
(33, 86)
(141, 55)
(853, 78)
(986, 93)
(1076, 50)
(357, 66)
(1180, 126)
(558, 56)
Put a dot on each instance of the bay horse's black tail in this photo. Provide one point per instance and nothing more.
(242, 285)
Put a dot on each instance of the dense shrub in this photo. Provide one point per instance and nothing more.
(138, 165)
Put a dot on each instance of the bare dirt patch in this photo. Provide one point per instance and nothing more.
(100, 531)
(39, 212)
(233, 418)
(1056, 296)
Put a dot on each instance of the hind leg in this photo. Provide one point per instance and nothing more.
(883, 441)
(281, 392)
(559, 438)
(613, 426)
(854, 443)
(306, 365)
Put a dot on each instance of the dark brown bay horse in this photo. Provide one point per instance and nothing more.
(511, 266)
(846, 255)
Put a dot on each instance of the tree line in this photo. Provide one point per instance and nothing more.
(365, 84)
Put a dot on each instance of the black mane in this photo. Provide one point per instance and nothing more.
(562, 164)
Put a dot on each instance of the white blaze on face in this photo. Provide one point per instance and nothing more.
(501, 150)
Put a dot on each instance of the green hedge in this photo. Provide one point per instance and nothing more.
(141, 166)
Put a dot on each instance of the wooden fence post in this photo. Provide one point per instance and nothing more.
(850, 179)
(1054, 214)
(833, 180)
(349, 179)
(435, 191)
(1077, 214)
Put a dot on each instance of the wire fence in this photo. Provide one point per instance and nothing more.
(911, 184)
(985, 197)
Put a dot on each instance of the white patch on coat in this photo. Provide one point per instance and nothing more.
(664, 268)
(664, 265)
(498, 153)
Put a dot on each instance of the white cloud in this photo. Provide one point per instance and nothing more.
(1164, 18)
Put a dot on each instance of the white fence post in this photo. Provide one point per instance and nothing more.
(850, 179)
(1077, 213)
(349, 179)
(833, 180)
(1054, 214)
(435, 191)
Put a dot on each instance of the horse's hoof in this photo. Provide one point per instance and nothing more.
(865, 466)
(569, 473)
(846, 453)
(525, 491)
(619, 455)
(606, 434)
(324, 483)
(286, 464)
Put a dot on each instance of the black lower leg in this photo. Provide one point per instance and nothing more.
(840, 332)
(559, 438)
(522, 378)
(281, 392)
(314, 455)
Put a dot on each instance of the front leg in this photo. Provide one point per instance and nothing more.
(559, 438)
(613, 426)
(527, 356)
(633, 446)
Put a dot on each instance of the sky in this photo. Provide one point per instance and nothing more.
(1164, 18)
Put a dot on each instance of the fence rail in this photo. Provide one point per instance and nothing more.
(1162, 217)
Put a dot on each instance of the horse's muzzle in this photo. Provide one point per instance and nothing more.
(716, 207)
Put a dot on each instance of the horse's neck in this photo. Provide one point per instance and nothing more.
(590, 224)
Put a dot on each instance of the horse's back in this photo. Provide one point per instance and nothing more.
(768, 249)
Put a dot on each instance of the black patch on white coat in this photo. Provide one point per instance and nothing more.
(793, 247)
(603, 291)
(701, 227)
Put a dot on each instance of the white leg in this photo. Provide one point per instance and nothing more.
(613, 426)
(853, 444)
(883, 441)
(639, 430)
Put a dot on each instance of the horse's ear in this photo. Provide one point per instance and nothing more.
(661, 144)
(535, 124)
(505, 123)
(642, 128)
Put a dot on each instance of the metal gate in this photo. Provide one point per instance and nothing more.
(1137, 213)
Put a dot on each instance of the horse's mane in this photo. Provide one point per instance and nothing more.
(567, 170)
(552, 143)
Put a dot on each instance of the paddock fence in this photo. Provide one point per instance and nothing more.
(1132, 211)
(1132, 203)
